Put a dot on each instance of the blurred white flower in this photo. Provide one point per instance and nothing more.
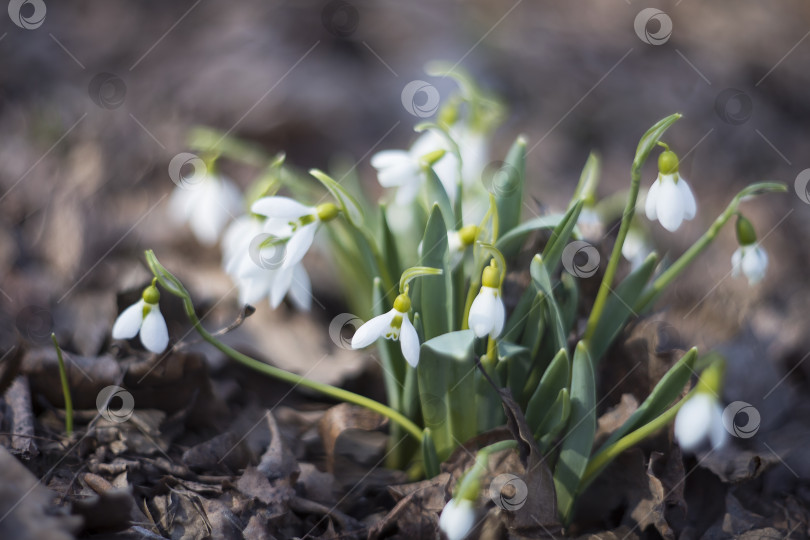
(144, 316)
(457, 519)
(207, 206)
(260, 274)
(700, 421)
(752, 261)
(393, 325)
(636, 248)
(670, 199)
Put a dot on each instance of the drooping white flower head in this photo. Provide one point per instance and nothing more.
(749, 259)
(144, 316)
(488, 313)
(300, 222)
(207, 206)
(700, 422)
(403, 169)
(393, 325)
(457, 518)
(670, 199)
(257, 270)
(636, 247)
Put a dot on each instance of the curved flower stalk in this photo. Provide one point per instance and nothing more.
(144, 317)
(207, 206)
(670, 199)
(749, 259)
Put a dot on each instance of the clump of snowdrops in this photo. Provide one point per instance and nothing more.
(425, 267)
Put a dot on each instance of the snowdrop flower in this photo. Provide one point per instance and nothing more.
(750, 259)
(457, 518)
(670, 200)
(295, 220)
(144, 316)
(393, 325)
(403, 169)
(700, 421)
(207, 206)
(256, 270)
(487, 313)
(636, 248)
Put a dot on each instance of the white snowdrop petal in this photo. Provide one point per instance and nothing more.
(129, 322)
(299, 244)
(688, 198)
(372, 330)
(398, 175)
(301, 288)
(390, 158)
(182, 202)
(281, 207)
(409, 341)
(500, 317)
(718, 434)
(736, 260)
(482, 317)
(754, 264)
(669, 206)
(281, 283)
(457, 519)
(652, 200)
(154, 334)
(407, 192)
(208, 217)
(252, 289)
(694, 421)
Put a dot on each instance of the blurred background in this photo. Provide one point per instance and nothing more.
(96, 98)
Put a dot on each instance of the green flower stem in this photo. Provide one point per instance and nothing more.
(616, 254)
(601, 459)
(65, 387)
(171, 284)
(703, 242)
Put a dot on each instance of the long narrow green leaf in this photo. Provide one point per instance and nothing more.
(436, 195)
(436, 308)
(429, 456)
(513, 329)
(578, 441)
(553, 251)
(513, 240)
(509, 189)
(542, 281)
(389, 246)
(346, 200)
(554, 379)
(651, 138)
(554, 421)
